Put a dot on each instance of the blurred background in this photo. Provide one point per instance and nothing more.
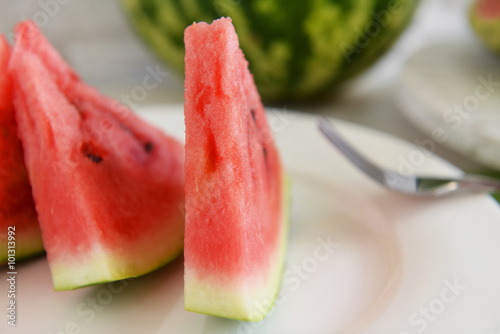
(400, 94)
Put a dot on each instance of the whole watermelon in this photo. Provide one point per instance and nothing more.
(485, 19)
(297, 49)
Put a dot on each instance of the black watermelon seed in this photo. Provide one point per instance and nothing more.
(86, 148)
(252, 111)
(94, 158)
(264, 151)
(148, 147)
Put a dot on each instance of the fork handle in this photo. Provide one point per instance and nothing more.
(481, 183)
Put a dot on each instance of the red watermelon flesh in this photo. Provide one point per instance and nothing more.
(488, 9)
(235, 189)
(17, 209)
(109, 188)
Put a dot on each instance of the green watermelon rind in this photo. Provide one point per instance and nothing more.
(292, 56)
(27, 248)
(95, 274)
(488, 30)
(62, 284)
(195, 295)
(381, 43)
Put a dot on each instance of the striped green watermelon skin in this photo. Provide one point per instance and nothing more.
(296, 49)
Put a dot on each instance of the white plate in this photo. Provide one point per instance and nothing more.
(454, 90)
(394, 264)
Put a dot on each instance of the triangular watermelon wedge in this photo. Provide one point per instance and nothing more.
(108, 188)
(236, 224)
(20, 235)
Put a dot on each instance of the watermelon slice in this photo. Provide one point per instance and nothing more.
(236, 226)
(109, 188)
(17, 209)
(488, 9)
(485, 19)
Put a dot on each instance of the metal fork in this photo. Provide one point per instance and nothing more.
(408, 184)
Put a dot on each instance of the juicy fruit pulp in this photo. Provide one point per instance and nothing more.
(18, 219)
(236, 226)
(488, 9)
(109, 188)
(485, 19)
(296, 49)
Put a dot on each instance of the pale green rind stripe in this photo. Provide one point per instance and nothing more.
(169, 18)
(192, 9)
(326, 59)
(163, 44)
(273, 61)
(106, 262)
(101, 267)
(26, 247)
(398, 18)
